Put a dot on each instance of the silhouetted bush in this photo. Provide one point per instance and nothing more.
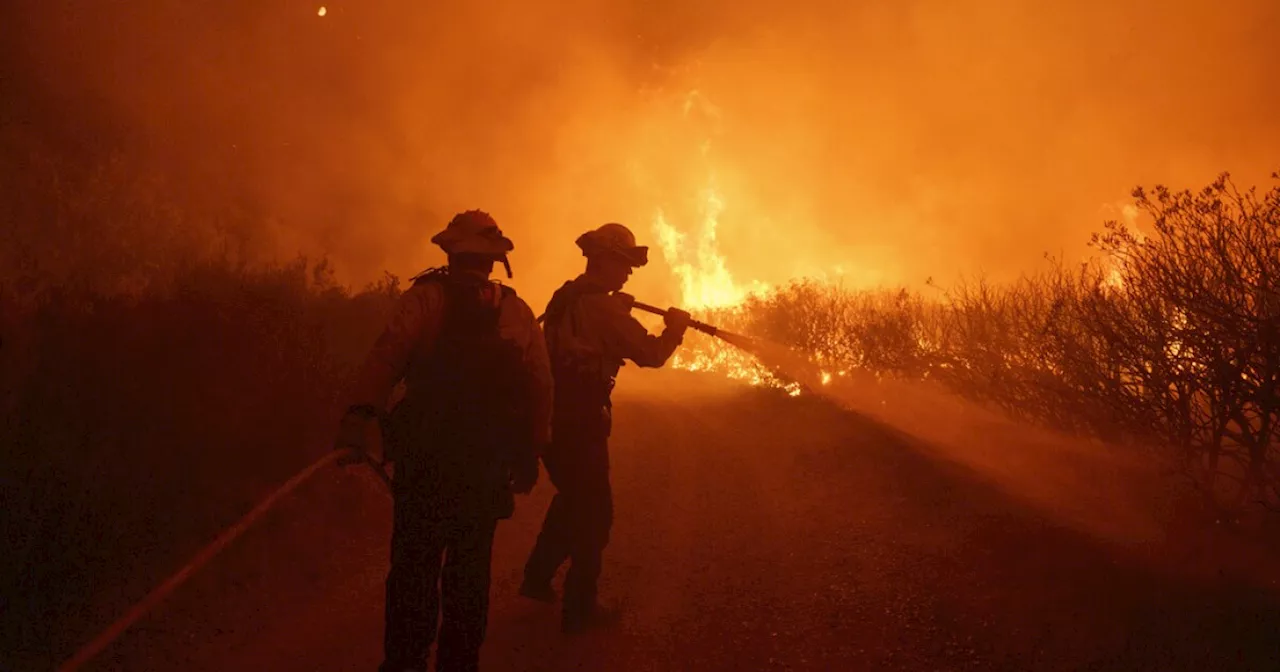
(138, 426)
(157, 378)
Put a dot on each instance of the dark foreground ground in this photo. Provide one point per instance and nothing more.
(753, 532)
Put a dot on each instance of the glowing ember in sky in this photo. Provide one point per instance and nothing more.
(322, 12)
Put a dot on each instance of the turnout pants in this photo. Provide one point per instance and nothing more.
(440, 564)
(577, 524)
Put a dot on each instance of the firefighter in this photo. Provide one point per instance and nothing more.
(589, 331)
(466, 435)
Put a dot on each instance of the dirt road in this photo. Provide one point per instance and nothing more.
(753, 532)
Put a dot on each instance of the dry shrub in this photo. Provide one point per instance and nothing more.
(1170, 339)
(157, 377)
(140, 425)
(1199, 324)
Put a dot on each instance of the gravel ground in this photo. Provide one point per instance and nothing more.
(753, 532)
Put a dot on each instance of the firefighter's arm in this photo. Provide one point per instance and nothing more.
(415, 316)
(629, 339)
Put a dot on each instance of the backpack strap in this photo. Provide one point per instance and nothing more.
(441, 274)
(433, 273)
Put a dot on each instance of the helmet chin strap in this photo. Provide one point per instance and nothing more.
(506, 263)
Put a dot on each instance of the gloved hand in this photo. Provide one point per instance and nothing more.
(353, 434)
(677, 320)
(524, 475)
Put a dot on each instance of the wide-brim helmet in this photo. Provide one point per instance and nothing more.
(614, 238)
(474, 232)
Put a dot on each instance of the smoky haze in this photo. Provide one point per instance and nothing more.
(884, 142)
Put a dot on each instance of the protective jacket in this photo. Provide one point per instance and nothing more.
(590, 333)
(477, 391)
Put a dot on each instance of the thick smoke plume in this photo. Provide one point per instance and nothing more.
(881, 142)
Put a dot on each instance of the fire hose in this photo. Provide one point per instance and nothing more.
(104, 639)
(738, 340)
(693, 324)
(745, 343)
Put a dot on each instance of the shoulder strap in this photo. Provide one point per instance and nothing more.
(434, 273)
(442, 275)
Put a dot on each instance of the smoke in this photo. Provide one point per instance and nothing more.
(1120, 493)
(878, 142)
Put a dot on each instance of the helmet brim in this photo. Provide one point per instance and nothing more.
(636, 256)
(495, 246)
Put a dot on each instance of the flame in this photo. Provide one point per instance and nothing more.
(695, 258)
(707, 288)
(1116, 268)
(707, 285)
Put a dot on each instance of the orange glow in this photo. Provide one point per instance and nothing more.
(749, 143)
(1115, 268)
(695, 258)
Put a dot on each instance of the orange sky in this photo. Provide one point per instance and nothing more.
(883, 141)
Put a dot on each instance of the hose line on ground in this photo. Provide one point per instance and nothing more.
(159, 593)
